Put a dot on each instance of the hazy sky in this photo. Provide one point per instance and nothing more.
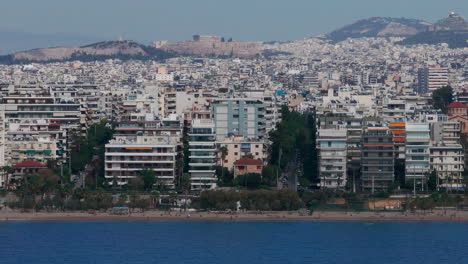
(147, 20)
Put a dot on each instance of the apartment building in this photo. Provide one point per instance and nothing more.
(377, 158)
(127, 155)
(417, 162)
(331, 144)
(239, 147)
(446, 153)
(239, 116)
(202, 148)
(37, 124)
(432, 78)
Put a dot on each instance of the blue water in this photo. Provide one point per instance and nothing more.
(231, 242)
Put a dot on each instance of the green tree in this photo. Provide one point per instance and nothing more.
(249, 180)
(224, 152)
(149, 178)
(442, 97)
(6, 172)
(225, 177)
(269, 175)
(432, 181)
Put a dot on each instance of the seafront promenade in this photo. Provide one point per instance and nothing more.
(434, 216)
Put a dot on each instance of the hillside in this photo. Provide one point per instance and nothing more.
(379, 27)
(452, 30)
(124, 50)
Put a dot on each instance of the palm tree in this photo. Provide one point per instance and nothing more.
(180, 168)
(6, 171)
(185, 185)
(224, 152)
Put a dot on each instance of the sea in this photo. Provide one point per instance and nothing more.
(233, 242)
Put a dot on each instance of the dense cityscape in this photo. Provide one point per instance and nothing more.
(313, 123)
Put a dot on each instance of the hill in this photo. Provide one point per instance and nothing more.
(379, 27)
(124, 50)
(452, 30)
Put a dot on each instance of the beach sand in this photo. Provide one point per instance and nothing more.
(435, 216)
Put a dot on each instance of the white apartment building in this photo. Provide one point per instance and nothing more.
(127, 155)
(417, 162)
(331, 144)
(202, 147)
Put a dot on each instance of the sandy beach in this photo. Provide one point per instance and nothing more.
(435, 216)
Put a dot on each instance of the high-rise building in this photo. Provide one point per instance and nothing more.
(239, 116)
(377, 158)
(432, 78)
(417, 162)
(332, 157)
(202, 148)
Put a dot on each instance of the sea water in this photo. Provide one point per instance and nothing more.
(233, 242)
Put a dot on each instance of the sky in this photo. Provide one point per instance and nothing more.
(177, 20)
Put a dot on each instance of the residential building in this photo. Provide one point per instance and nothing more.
(239, 147)
(202, 148)
(331, 144)
(417, 162)
(377, 158)
(239, 116)
(126, 156)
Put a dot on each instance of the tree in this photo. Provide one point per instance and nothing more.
(185, 185)
(249, 180)
(6, 171)
(432, 181)
(442, 97)
(149, 178)
(224, 152)
(225, 177)
(269, 174)
(136, 183)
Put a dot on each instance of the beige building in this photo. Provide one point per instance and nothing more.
(239, 147)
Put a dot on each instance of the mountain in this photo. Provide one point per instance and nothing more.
(14, 41)
(452, 30)
(124, 50)
(379, 27)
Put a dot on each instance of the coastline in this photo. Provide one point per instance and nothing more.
(320, 216)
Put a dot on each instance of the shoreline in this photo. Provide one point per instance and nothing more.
(157, 216)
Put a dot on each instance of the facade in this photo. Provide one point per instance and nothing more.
(127, 155)
(38, 124)
(202, 148)
(239, 116)
(459, 112)
(377, 158)
(247, 165)
(238, 147)
(332, 157)
(432, 78)
(417, 162)
(446, 153)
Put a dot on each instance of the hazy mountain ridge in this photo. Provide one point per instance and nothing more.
(124, 50)
(379, 27)
(452, 30)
